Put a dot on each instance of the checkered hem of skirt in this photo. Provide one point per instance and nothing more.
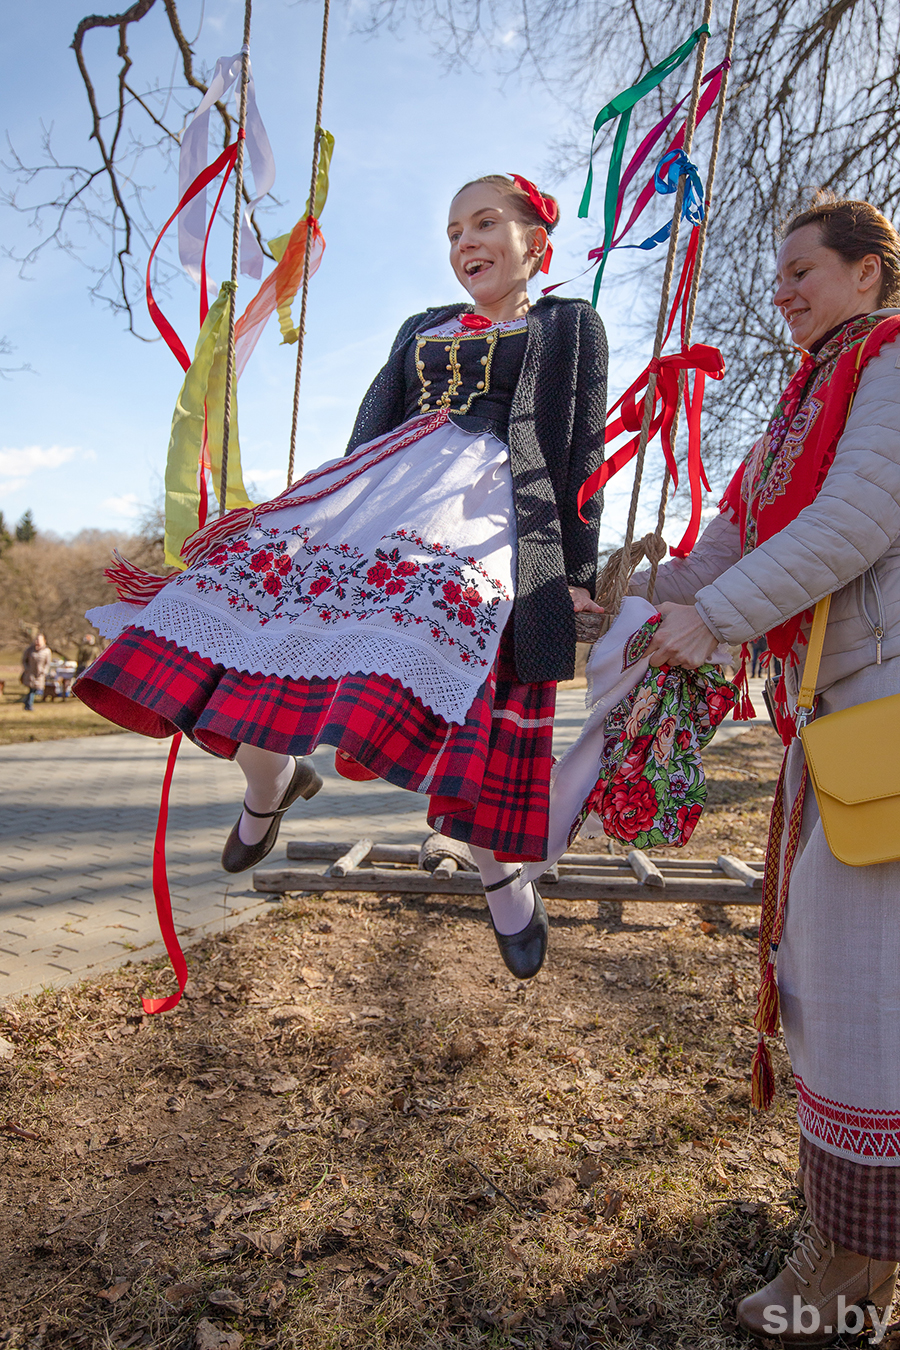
(853, 1203)
(488, 779)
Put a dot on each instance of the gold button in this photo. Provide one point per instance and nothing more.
(446, 349)
(420, 365)
(449, 367)
(425, 407)
(484, 360)
(480, 384)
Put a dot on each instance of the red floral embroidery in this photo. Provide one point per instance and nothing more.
(379, 574)
(287, 575)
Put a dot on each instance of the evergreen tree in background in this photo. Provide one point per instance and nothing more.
(5, 536)
(26, 530)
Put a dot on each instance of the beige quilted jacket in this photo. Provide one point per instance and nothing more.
(846, 543)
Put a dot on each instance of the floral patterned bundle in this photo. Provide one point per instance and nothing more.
(651, 788)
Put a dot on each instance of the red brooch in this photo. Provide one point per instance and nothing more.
(475, 321)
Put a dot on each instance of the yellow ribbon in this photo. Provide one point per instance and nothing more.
(203, 392)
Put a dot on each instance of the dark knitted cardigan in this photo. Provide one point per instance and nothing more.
(556, 428)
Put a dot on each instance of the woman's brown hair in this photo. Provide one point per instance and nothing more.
(525, 208)
(855, 230)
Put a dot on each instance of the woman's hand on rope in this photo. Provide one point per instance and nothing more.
(583, 602)
(682, 639)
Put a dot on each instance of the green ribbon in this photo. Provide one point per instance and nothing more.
(621, 107)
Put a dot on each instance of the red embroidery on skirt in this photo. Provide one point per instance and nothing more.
(864, 1132)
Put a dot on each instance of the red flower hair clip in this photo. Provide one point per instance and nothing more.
(545, 207)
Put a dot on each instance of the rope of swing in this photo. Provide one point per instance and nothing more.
(235, 254)
(612, 601)
(657, 553)
(301, 323)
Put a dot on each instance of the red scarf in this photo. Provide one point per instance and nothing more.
(785, 470)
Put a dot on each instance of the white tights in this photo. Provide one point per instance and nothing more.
(268, 775)
(511, 906)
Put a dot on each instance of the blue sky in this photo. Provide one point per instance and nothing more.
(83, 438)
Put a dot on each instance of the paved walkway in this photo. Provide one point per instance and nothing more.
(77, 819)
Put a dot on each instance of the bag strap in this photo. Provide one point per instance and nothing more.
(806, 697)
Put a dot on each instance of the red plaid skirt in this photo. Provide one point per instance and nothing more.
(488, 780)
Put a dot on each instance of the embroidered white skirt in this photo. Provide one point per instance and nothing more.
(839, 972)
(407, 571)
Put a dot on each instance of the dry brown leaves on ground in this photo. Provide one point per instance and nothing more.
(358, 1131)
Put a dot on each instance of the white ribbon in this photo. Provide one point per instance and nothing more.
(195, 157)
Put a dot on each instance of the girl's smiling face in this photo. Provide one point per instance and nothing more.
(492, 252)
(817, 288)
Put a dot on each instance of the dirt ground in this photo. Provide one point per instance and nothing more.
(357, 1130)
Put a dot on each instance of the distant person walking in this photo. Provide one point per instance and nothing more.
(87, 652)
(35, 667)
(756, 651)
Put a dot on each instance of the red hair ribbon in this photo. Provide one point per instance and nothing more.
(546, 208)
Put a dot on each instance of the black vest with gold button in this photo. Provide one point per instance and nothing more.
(471, 374)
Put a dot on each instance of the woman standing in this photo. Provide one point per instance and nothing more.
(36, 661)
(411, 604)
(815, 511)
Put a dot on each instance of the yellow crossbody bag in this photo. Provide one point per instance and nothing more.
(853, 757)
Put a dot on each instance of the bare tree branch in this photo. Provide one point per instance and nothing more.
(104, 203)
(815, 102)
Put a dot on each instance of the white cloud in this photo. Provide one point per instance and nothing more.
(27, 460)
(18, 464)
(126, 504)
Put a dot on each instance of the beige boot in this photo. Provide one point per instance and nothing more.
(819, 1293)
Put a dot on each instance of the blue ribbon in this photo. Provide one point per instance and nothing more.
(668, 171)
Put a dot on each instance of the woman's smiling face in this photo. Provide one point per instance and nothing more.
(492, 252)
(817, 288)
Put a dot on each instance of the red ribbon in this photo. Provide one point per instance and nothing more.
(700, 358)
(546, 209)
(475, 321)
(172, 340)
(545, 206)
(161, 893)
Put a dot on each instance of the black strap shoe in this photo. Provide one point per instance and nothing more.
(238, 856)
(523, 953)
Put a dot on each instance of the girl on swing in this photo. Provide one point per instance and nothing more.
(411, 604)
